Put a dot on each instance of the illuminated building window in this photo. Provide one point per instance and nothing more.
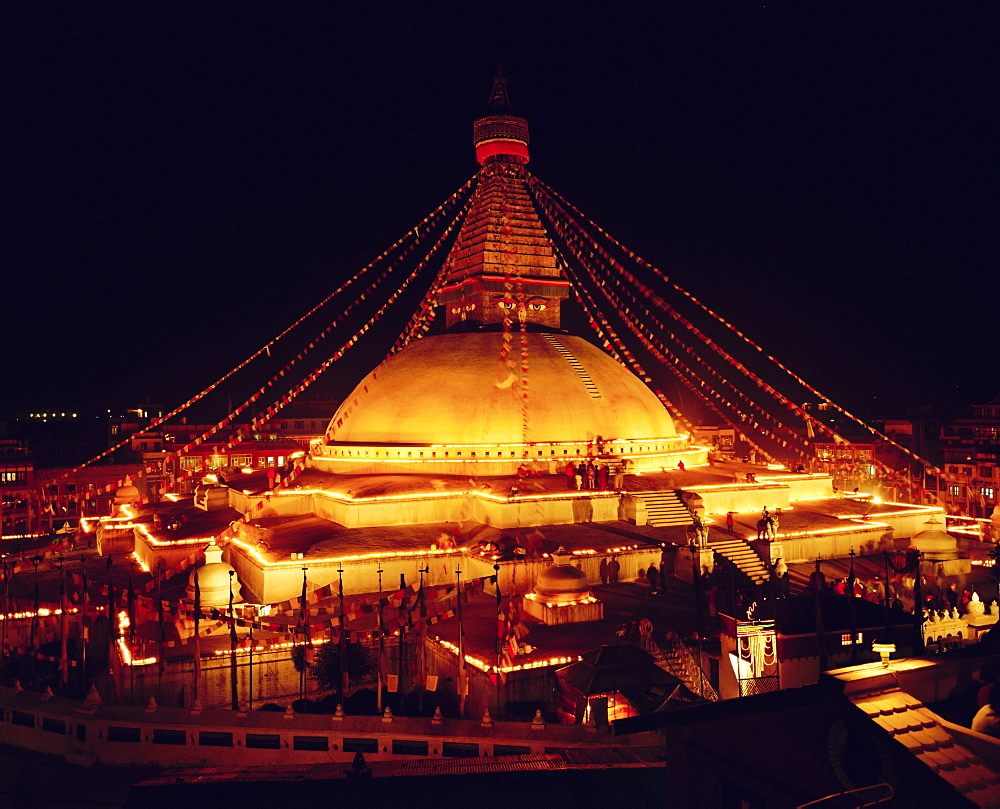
(241, 460)
(988, 492)
(955, 491)
(845, 640)
(281, 460)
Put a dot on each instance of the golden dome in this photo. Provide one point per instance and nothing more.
(127, 494)
(453, 389)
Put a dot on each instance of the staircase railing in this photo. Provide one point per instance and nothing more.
(685, 667)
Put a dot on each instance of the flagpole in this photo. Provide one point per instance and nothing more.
(342, 642)
(34, 623)
(304, 630)
(381, 640)
(253, 620)
(851, 580)
(820, 630)
(6, 612)
(111, 625)
(161, 662)
(84, 627)
(130, 607)
(422, 673)
(463, 683)
(197, 634)
(63, 630)
(500, 639)
(233, 684)
(399, 668)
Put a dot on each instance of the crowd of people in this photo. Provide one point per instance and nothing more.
(595, 476)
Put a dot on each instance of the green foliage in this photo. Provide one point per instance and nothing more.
(326, 670)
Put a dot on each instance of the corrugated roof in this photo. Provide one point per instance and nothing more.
(922, 732)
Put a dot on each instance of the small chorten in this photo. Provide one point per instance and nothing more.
(936, 544)
(214, 580)
(562, 594)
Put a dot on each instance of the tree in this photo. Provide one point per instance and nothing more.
(326, 669)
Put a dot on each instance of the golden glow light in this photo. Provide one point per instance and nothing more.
(487, 668)
(126, 653)
(152, 540)
(252, 551)
(587, 600)
(43, 612)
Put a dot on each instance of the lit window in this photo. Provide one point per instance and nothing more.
(988, 492)
(845, 640)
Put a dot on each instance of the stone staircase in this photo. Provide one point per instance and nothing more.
(664, 508)
(741, 554)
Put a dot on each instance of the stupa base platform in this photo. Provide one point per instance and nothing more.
(563, 613)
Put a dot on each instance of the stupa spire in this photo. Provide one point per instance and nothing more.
(502, 268)
(499, 136)
(499, 98)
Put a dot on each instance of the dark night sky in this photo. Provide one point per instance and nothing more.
(182, 180)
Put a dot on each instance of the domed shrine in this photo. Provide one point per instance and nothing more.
(216, 580)
(935, 543)
(507, 386)
(562, 594)
(464, 460)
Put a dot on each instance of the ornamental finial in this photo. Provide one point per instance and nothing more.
(499, 99)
